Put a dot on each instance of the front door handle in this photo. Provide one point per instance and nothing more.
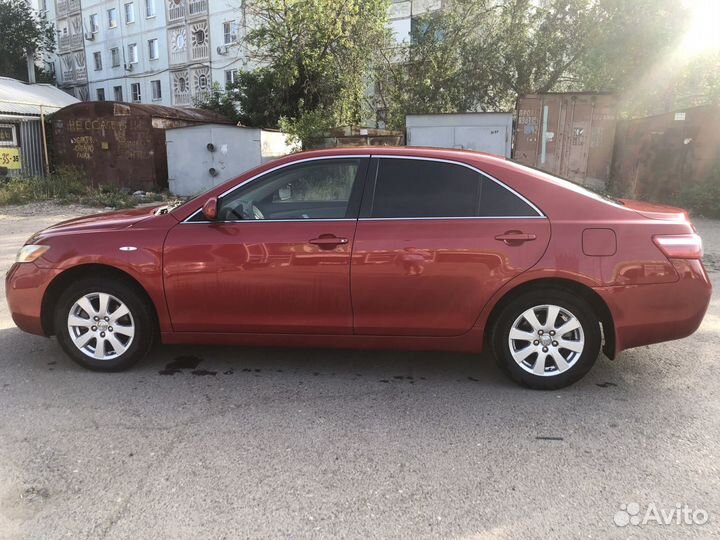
(515, 238)
(328, 241)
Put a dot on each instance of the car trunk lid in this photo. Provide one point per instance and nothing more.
(656, 211)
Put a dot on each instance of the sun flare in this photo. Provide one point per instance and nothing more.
(702, 34)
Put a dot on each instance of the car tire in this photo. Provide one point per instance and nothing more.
(530, 348)
(110, 313)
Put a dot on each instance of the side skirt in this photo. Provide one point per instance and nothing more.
(471, 342)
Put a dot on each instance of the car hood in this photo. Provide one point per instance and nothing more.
(120, 219)
(656, 211)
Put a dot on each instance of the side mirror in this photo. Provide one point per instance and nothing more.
(210, 209)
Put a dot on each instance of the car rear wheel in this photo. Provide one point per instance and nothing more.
(547, 339)
(103, 325)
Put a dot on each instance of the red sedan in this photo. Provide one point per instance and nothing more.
(372, 248)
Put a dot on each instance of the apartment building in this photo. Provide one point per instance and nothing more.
(45, 60)
(71, 67)
(166, 52)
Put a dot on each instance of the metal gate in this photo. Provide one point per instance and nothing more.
(569, 135)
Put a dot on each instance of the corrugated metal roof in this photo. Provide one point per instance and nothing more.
(19, 98)
(115, 108)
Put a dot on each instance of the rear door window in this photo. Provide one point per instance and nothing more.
(409, 188)
(416, 188)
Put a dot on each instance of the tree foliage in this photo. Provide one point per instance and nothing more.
(313, 60)
(316, 62)
(481, 54)
(22, 32)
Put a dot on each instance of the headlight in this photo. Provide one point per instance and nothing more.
(30, 252)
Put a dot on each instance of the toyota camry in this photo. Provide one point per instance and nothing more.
(392, 248)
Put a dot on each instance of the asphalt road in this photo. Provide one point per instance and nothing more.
(301, 444)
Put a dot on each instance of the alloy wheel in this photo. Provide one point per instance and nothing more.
(546, 340)
(101, 326)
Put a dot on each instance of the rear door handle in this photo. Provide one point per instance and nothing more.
(515, 237)
(328, 241)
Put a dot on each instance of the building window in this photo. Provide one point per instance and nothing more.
(149, 8)
(94, 25)
(100, 94)
(135, 91)
(156, 90)
(117, 92)
(230, 77)
(229, 33)
(97, 57)
(199, 36)
(115, 56)
(8, 136)
(112, 18)
(153, 49)
(132, 53)
(129, 13)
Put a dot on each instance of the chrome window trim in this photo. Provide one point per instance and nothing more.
(539, 215)
(471, 167)
(260, 175)
(447, 218)
(272, 220)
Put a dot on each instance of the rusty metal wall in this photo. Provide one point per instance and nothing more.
(567, 134)
(120, 144)
(657, 156)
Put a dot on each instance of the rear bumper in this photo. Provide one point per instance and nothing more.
(646, 314)
(25, 286)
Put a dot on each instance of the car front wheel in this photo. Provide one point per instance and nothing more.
(103, 325)
(547, 339)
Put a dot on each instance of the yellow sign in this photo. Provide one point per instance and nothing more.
(10, 157)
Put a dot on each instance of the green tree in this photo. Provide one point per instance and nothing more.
(313, 61)
(23, 32)
(481, 54)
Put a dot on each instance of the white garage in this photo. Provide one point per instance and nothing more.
(483, 132)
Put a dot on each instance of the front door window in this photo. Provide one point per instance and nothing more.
(315, 190)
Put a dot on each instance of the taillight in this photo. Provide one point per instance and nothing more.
(680, 246)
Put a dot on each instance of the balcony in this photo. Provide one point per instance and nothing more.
(197, 7)
(178, 57)
(200, 52)
(73, 6)
(68, 75)
(62, 8)
(182, 100)
(176, 10)
(70, 42)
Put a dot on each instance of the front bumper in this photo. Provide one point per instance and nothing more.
(646, 314)
(25, 286)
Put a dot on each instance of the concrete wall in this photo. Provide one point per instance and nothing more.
(483, 132)
(193, 168)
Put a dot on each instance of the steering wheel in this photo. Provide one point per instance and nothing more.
(257, 213)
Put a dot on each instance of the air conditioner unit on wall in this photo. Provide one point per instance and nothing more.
(222, 50)
(128, 67)
(89, 36)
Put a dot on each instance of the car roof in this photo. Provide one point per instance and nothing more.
(409, 151)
